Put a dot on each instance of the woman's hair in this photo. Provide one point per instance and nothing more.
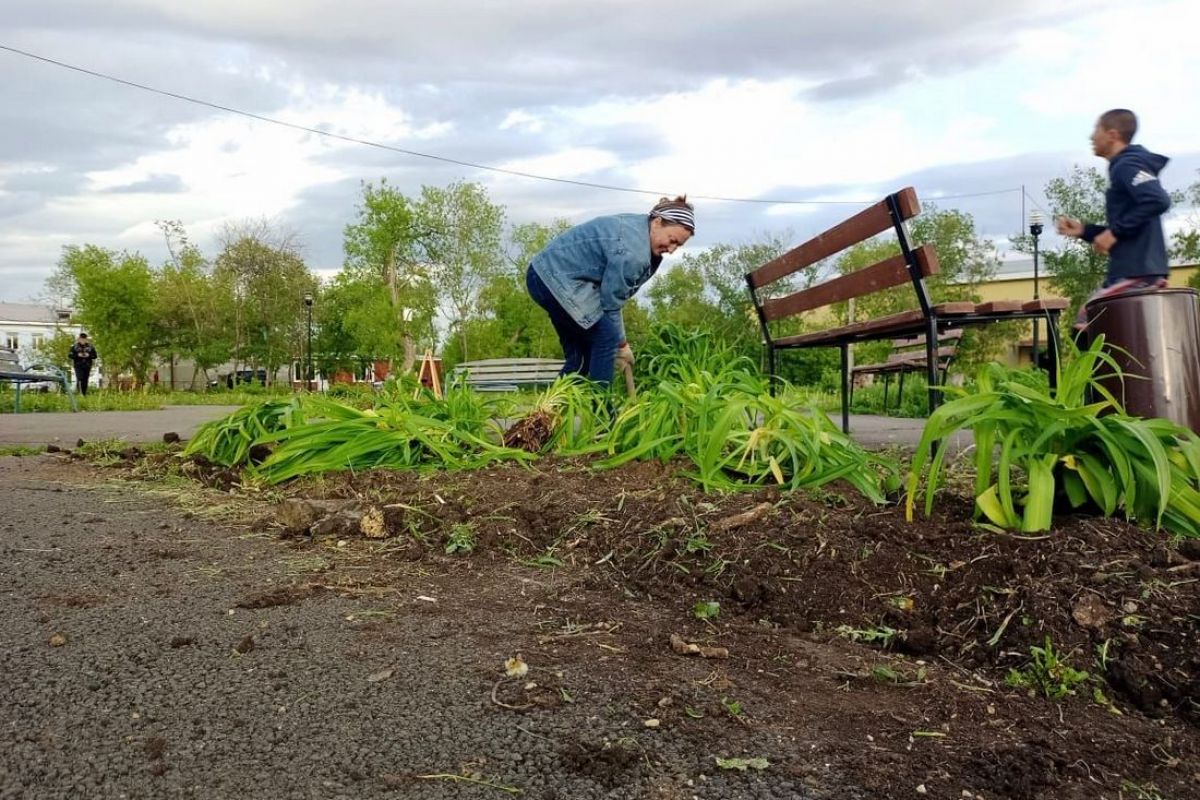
(675, 212)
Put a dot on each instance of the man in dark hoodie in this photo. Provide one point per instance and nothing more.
(1134, 204)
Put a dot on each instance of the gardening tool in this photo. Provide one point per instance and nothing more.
(630, 389)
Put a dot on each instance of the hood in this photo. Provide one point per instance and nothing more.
(1151, 162)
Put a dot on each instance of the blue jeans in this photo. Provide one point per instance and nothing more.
(587, 351)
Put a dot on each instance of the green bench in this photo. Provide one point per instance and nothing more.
(507, 374)
(12, 372)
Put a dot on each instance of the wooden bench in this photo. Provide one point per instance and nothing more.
(11, 371)
(507, 374)
(909, 356)
(910, 265)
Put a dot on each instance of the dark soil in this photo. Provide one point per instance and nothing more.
(868, 656)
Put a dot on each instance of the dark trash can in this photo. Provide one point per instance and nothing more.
(1159, 332)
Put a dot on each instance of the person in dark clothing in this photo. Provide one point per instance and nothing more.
(83, 355)
(1132, 237)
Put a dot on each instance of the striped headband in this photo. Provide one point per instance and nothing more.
(677, 215)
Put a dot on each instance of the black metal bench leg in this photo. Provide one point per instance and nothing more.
(886, 380)
(931, 366)
(845, 388)
(1052, 339)
(899, 390)
(771, 380)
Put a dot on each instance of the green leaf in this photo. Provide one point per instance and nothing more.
(743, 764)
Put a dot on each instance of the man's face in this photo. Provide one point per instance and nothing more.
(1103, 140)
(667, 238)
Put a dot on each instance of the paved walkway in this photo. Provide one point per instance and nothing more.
(132, 426)
(149, 426)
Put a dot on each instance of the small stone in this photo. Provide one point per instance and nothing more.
(245, 645)
(921, 789)
(171, 437)
(1130, 607)
(652, 723)
(1090, 612)
(58, 640)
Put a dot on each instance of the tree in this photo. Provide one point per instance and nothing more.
(1185, 243)
(192, 306)
(1075, 269)
(269, 281)
(383, 248)
(462, 249)
(113, 295)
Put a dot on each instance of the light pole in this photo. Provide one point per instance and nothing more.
(308, 300)
(1035, 230)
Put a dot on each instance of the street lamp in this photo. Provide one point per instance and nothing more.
(308, 300)
(1035, 230)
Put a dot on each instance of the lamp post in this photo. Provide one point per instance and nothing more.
(1035, 230)
(308, 301)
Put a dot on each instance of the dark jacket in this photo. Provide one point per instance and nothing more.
(83, 354)
(1133, 204)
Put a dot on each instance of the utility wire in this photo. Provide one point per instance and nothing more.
(446, 159)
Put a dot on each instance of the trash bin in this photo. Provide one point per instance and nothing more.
(1159, 332)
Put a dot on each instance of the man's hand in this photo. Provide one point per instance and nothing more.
(624, 355)
(1104, 242)
(1068, 226)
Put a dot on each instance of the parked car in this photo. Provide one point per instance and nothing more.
(240, 376)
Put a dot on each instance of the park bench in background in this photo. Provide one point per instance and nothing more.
(911, 265)
(507, 374)
(908, 355)
(11, 371)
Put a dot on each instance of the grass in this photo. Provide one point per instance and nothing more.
(147, 399)
(21, 450)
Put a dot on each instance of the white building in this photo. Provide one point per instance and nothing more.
(25, 327)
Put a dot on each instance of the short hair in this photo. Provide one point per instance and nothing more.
(1121, 120)
(82, 335)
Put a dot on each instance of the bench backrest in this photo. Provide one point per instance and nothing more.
(9, 361)
(914, 347)
(509, 371)
(911, 265)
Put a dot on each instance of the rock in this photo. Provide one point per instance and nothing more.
(245, 645)
(1190, 549)
(53, 448)
(297, 515)
(171, 437)
(373, 525)
(1090, 612)
(340, 524)
(181, 641)
(58, 640)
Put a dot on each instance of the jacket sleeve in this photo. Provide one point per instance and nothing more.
(1149, 200)
(1091, 231)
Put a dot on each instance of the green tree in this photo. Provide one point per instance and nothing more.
(463, 248)
(1075, 269)
(383, 249)
(192, 306)
(1185, 243)
(113, 295)
(269, 281)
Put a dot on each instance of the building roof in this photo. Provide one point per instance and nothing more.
(32, 312)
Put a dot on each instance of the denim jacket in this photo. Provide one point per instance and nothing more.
(595, 267)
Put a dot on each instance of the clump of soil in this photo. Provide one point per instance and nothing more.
(532, 432)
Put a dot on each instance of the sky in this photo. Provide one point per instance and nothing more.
(757, 101)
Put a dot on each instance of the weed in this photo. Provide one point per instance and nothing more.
(706, 610)
(461, 539)
(732, 707)
(1047, 673)
(881, 634)
(21, 450)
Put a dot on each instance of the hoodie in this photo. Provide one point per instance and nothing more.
(1133, 204)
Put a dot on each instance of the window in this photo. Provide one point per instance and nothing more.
(39, 339)
(12, 341)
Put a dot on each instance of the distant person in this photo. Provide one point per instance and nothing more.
(83, 355)
(586, 274)
(1132, 237)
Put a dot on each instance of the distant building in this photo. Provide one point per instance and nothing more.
(25, 327)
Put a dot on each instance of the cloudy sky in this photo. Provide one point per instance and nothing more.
(785, 100)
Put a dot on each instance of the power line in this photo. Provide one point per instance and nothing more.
(446, 159)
